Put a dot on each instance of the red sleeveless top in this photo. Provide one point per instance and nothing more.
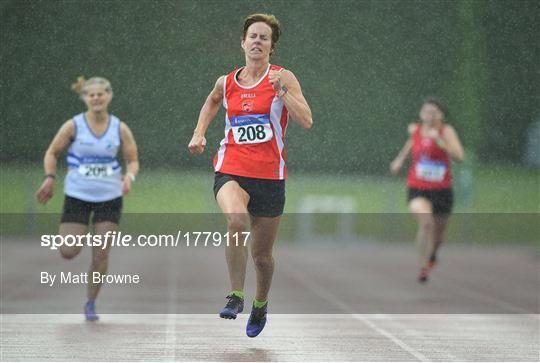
(430, 167)
(255, 125)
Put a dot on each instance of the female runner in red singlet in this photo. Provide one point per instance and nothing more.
(432, 144)
(250, 166)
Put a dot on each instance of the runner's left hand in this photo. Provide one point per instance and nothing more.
(126, 185)
(432, 133)
(275, 79)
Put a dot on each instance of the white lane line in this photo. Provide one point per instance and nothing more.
(413, 332)
(317, 289)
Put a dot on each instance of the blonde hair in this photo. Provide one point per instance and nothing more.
(269, 20)
(82, 84)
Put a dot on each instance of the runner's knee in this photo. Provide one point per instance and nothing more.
(263, 262)
(426, 223)
(100, 257)
(236, 222)
(68, 252)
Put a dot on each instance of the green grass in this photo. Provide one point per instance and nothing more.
(494, 190)
(504, 200)
(506, 189)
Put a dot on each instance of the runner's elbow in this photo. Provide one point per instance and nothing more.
(306, 122)
(459, 157)
(51, 153)
(214, 100)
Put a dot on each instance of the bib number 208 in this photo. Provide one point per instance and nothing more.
(251, 129)
(251, 133)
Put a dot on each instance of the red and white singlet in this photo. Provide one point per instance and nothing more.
(430, 167)
(255, 126)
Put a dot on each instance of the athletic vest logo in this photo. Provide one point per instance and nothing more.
(426, 142)
(247, 106)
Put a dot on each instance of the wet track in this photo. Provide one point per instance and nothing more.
(327, 304)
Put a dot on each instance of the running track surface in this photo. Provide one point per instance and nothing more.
(328, 303)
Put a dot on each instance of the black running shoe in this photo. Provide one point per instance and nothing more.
(424, 275)
(234, 306)
(257, 321)
(432, 261)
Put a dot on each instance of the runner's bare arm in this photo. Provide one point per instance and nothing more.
(129, 150)
(452, 145)
(294, 98)
(397, 163)
(207, 114)
(61, 140)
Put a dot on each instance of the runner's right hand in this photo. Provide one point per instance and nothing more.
(197, 144)
(46, 191)
(395, 166)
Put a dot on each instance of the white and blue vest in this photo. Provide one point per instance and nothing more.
(94, 174)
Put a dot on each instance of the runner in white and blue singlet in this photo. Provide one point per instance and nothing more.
(94, 183)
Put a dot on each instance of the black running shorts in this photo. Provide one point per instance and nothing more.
(441, 200)
(78, 211)
(266, 196)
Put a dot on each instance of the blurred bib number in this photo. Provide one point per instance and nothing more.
(95, 170)
(251, 129)
(430, 170)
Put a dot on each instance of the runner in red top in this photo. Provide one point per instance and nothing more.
(430, 163)
(255, 125)
(250, 163)
(432, 144)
